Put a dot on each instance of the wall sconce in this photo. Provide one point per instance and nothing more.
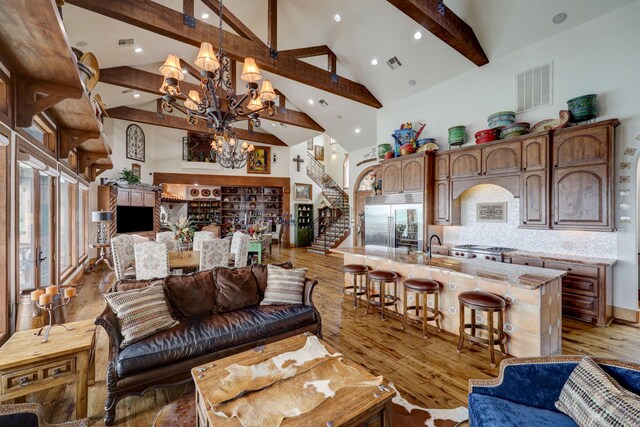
(275, 157)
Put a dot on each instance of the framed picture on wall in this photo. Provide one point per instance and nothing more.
(302, 192)
(135, 143)
(259, 160)
(310, 144)
(135, 168)
(318, 152)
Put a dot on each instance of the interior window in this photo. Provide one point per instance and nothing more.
(66, 215)
(83, 222)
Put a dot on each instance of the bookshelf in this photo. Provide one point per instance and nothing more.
(241, 206)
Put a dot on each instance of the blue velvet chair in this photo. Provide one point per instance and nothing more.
(526, 389)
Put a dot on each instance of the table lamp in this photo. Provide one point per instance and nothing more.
(101, 217)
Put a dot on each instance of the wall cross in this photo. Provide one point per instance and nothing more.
(298, 160)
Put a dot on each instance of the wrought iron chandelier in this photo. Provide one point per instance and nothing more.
(215, 82)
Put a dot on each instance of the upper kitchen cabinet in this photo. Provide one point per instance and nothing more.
(500, 159)
(534, 199)
(586, 144)
(535, 153)
(442, 166)
(403, 174)
(466, 164)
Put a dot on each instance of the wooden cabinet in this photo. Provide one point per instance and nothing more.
(581, 197)
(442, 166)
(466, 164)
(532, 262)
(137, 198)
(413, 175)
(124, 197)
(403, 175)
(149, 198)
(446, 210)
(535, 153)
(534, 199)
(392, 177)
(501, 159)
(581, 145)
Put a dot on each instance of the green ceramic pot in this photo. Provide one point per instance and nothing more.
(457, 135)
(383, 149)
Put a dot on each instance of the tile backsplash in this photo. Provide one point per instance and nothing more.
(585, 243)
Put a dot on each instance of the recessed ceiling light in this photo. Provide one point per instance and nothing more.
(417, 35)
(357, 130)
(184, 70)
(82, 44)
(273, 124)
(337, 17)
(311, 101)
(137, 50)
(374, 61)
(204, 16)
(136, 95)
(559, 18)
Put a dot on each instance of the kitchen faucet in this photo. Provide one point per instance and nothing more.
(430, 246)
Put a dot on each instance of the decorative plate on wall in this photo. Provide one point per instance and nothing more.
(194, 192)
(216, 192)
(206, 192)
(135, 143)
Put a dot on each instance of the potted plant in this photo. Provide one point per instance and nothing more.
(183, 233)
(129, 176)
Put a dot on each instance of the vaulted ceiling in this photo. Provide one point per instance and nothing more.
(368, 29)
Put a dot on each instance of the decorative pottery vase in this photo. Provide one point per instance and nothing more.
(457, 135)
(583, 108)
(383, 149)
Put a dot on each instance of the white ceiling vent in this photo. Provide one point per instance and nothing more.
(534, 88)
(323, 103)
(125, 42)
(394, 63)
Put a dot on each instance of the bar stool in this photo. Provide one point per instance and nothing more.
(381, 278)
(487, 303)
(357, 271)
(424, 288)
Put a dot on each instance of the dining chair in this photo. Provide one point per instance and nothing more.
(152, 261)
(213, 253)
(202, 236)
(240, 248)
(168, 238)
(215, 229)
(123, 256)
(276, 236)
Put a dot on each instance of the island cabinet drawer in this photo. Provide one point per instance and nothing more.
(582, 307)
(573, 269)
(581, 285)
(533, 262)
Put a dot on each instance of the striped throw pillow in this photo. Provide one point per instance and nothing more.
(284, 286)
(594, 399)
(140, 312)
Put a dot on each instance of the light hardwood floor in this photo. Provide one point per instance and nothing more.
(427, 372)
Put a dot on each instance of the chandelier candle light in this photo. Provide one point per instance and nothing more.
(215, 81)
(44, 300)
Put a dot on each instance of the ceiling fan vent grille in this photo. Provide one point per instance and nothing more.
(534, 88)
(394, 63)
(125, 42)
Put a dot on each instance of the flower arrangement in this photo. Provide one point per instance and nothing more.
(183, 230)
(257, 229)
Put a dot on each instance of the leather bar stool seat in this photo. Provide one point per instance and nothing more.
(382, 298)
(358, 272)
(484, 302)
(422, 288)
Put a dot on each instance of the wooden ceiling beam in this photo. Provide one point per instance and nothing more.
(445, 25)
(232, 21)
(306, 52)
(145, 81)
(272, 25)
(165, 21)
(176, 122)
(188, 7)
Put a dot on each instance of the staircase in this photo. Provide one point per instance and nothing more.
(330, 233)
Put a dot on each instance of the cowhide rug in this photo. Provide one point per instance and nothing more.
(182, 413)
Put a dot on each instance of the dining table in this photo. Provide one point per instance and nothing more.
(184, 260)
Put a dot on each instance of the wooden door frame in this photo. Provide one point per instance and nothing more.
(5, 294)
(356, 186)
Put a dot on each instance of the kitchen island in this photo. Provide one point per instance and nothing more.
(533, 318)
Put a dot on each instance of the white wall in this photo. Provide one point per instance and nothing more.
(600, 56)
(302, 178)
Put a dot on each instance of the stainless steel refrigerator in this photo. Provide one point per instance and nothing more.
(394, 221)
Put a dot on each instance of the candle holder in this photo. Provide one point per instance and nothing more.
(66, 295)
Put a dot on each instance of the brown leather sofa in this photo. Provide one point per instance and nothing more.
(219, 316)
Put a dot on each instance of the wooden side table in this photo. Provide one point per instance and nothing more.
(104, 256)
(27, 365)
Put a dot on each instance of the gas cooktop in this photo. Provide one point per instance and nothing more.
(490, 253)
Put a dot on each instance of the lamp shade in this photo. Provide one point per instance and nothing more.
(195, 96)
(171, 68)
(99, 216)
(267, 93)
(250, 71)
(206, 58)
(255, 105)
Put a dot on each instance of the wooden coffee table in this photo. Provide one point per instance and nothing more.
(354, 404)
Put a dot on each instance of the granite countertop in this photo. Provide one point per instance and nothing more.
(508, 274)
(577, 259)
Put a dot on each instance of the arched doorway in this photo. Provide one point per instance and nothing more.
(361, 189)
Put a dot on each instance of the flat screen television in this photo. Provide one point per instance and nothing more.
(134, 219)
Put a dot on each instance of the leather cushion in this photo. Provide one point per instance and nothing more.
(382, 275)
(191, 296)
(217, 332)
(482, 299)
(422, 285)
(260, 272)
(355, 268)
(237, 288)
